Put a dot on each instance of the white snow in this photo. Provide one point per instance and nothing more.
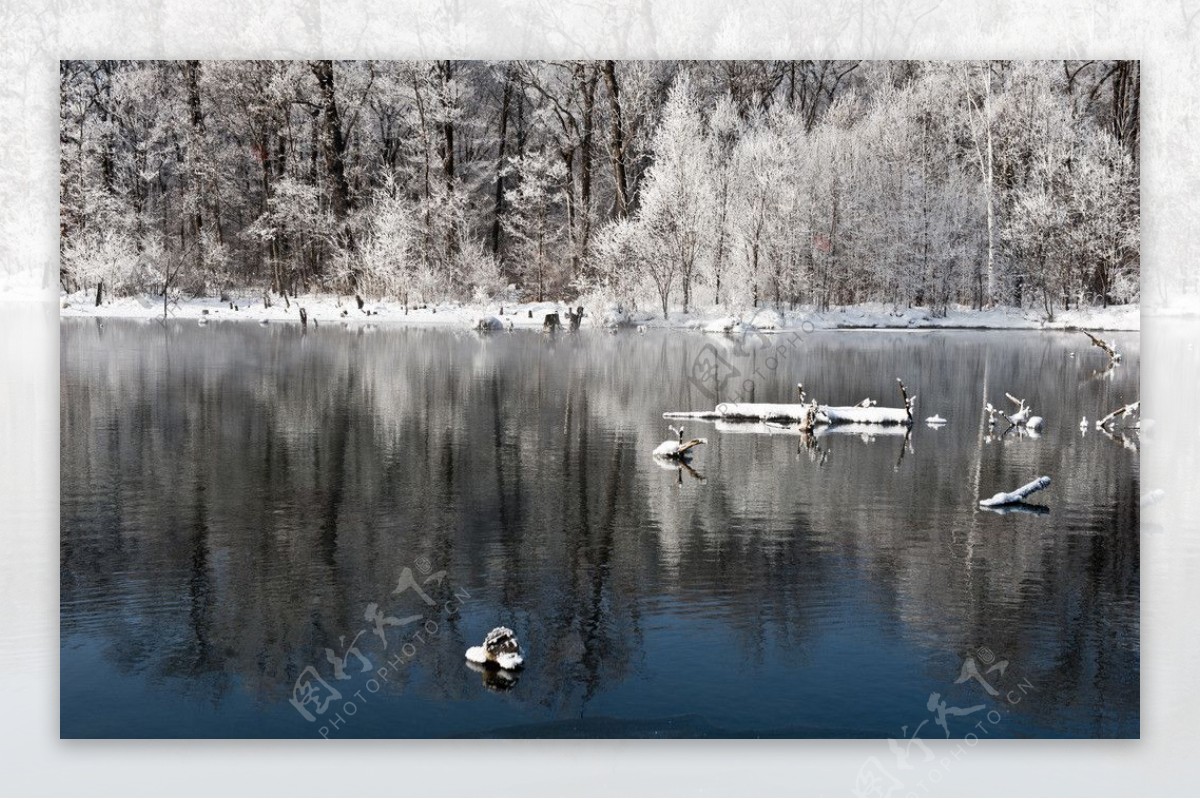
(488, 323)
(770, 411)
(762, 411)
(670, 448)
(332, 308)
(935, 419)
(730, 325)
(667, 448)
(477, 654)
(509, 660)
(1018, 495)
(767, 320)
(859, 415)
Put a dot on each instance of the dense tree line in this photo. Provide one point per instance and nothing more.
(665, 184)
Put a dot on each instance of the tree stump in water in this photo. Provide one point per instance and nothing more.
(575, 317)
(551, 323)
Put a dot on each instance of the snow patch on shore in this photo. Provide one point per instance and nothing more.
(715, 320)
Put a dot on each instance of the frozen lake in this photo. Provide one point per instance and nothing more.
(236, 499)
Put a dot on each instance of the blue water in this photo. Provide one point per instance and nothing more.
(234, 497)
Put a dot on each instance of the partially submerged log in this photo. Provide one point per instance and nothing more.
(1124, 412)
(1107, 346)
(678, 449)
(808, 414)
(1017, 495)
(856, 414)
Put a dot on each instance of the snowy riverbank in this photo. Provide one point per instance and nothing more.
(326, 309)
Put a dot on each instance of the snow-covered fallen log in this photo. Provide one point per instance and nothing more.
(857, 414)
(869, 413)
(1017, 495)
(808, 414)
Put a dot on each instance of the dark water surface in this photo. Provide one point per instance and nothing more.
(234, 498)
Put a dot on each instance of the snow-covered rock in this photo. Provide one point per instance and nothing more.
(487, 323)
(500, 648)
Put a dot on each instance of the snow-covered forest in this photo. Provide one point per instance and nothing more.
(667, 184)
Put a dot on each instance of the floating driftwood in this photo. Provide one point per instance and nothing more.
(808, 414)
(1016, 496)
(678, 449)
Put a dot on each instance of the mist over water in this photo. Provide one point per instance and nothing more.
(234, 496)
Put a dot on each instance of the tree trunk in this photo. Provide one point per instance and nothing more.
(446, 71)
(192, 74)
(333, 146)
(1126, 105)
(585, 164)
(989, 181)
(617, 139)
(501, 149)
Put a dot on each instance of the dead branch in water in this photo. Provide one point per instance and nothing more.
(1104, 345)
(1021, 417)
(1123, 412)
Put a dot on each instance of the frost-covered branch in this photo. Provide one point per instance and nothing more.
(1021, 417)
(1124, 412)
